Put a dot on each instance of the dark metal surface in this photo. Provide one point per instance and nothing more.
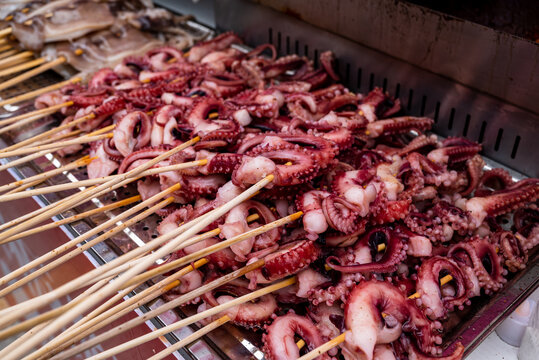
(508, 133)
(491, 61)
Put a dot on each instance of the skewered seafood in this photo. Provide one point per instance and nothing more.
(349, 162)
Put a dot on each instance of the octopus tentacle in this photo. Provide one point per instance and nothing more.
(365, 255)
(252, 314)
(514, 252)
(288, 260)
(367, 327)
(482, 257)
(503, 201)
(437, 300)
(279, 339)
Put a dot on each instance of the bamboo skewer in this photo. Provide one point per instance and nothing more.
(34, 213)
(194, 318)
(5, 32)
(47, 133)
(71, 134)
(342, 337)
(83, 328)
(62, 144)
(107, 318)
(147, 316)
(191, 338)
(78, 217)
(31, 73)
(79, 250)
(33, 156)
(73, 165)
(161, 269)
(96, 181)
(21, 67)
(19, 310)
(35, 93)
(216, 247)
(86, 195)
(6, 61)
(50, 314)
(72, 243)
(32, 183)
(8, 53)
(5, 47)
(42, 112)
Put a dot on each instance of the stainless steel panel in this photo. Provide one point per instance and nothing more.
(488, 60)
(508, 133)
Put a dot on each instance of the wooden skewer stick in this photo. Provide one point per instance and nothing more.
(34, 213)
(78, 217)
(191, 338)
(27, 158)
(341, 338)
(31, 73)
(35, 93)
(72, 243)
(324, 347)
(10, 331)
(216, 247)
(108, 318)
(72, 165)
(89, 182)
(151, 314)
(194, 318)
(7, 61)
(193, 227)
(175, 263)
(8, 53)
(61, 144)
(25, 325)
(59, 340)
(20, 67)
(88, 194)
(35, 182)
(89, 324)
(42, 112)
(48, 133)
(5, 32)
(5, 47)
(79, 250)
(71, 134)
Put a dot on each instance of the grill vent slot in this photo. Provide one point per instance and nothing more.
(451, 118)
(410, 99)
(437, 112)
(498, 140)
(466, 125)
(482, 132)
(423, 105)
(515, 147)
(359, 71)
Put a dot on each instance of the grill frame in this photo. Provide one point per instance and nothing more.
(252, 22)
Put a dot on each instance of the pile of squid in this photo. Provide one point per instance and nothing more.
(365, 176)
